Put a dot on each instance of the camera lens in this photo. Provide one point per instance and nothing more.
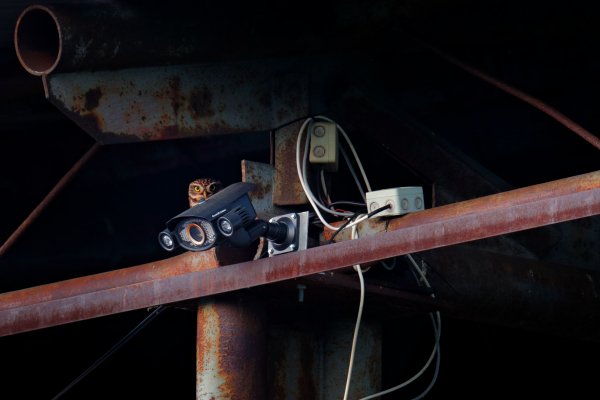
(166, 241)
(196, 234)
(225, 227)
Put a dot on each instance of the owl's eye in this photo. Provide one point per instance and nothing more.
(197, 188)
(212, 187)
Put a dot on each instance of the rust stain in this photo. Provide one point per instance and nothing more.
(287, 190)
(175, 92)
(201, 102)
(282, 115)
(92, 98)
(264, 98)
(261, 190)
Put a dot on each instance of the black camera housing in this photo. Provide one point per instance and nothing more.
(197, 229)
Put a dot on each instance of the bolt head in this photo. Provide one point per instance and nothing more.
(418, 203)
(293, 216)
(319, 131)
(373, 206)
(319, 151)
(292, 247)
(271, 251)
(404, 204)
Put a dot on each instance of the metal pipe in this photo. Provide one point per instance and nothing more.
(517, 210)
(107, 36)
(47, 200)
(519, 94)
(115, 35)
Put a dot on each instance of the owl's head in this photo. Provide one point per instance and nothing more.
(201, 189)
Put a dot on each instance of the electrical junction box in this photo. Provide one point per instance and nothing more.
(402, 200)
(323, 148)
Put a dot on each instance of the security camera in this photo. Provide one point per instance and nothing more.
(226, 217)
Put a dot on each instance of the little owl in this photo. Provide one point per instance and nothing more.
(201, 189)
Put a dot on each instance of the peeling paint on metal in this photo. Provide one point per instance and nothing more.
(171, 102)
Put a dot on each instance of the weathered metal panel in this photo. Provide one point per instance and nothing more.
(366, 372)
(230, 350)
(178, 101)
(287, 190)
(100, 295)
(294, 363)
(310, 360)
(262, 176)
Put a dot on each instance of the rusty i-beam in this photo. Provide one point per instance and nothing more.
(178, 278)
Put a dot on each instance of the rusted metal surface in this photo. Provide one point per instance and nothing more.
(309, 360)
(230, 350)
(177, 101)
(287, 190)
(47, 200)
(261, 175)
(367, 359)
(366, 228)
(98, 295)
(294, 362)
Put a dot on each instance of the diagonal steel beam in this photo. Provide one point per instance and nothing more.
(139, 287)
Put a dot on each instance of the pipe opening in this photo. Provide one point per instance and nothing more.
(37, 40)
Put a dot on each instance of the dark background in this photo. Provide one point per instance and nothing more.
(108, 216)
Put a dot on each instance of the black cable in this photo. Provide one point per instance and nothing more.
(356, 214)
(348, 203)
(113, 349)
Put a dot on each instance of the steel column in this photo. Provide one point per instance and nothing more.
(100, 295)
(230, 349)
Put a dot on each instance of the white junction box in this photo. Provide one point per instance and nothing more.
(323, 137)
(402, 200)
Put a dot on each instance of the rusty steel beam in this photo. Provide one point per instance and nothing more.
(102, 294)
(454, 176)
(47, 200)
(172, 102)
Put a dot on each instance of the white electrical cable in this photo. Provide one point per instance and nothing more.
(301, 177)
(353, 173)
(324, 186)
(420, 272)
(389, 267)
(362, 170)
(437, 328)
(310, 193)
(311, 198)
(435, 374)
(358, 319)
(409, 381)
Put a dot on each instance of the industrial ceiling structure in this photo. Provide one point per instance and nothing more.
(109, 109)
